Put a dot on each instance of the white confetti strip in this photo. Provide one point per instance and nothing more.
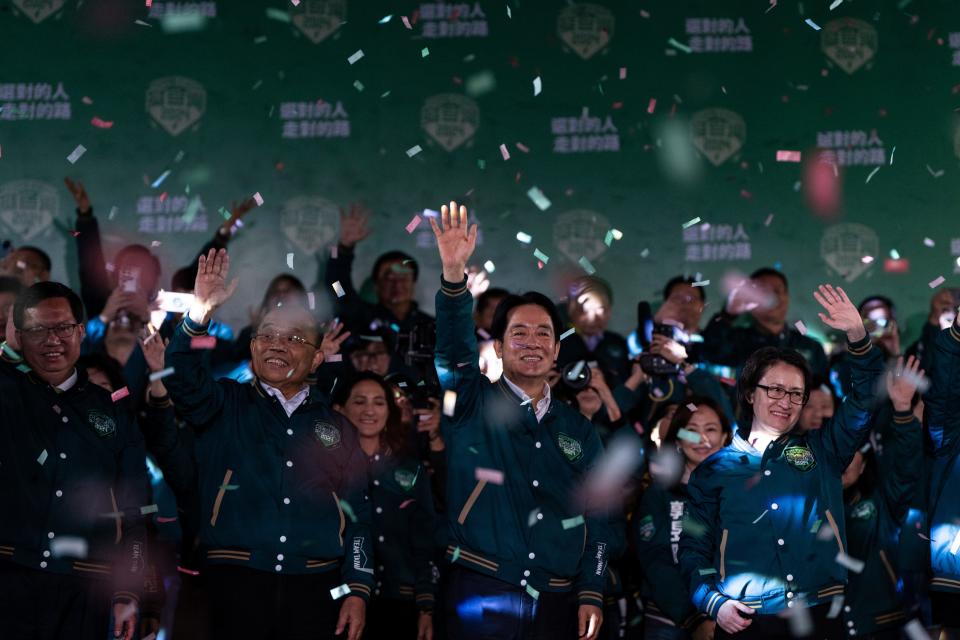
(543, 203)
(802, 328)
(541, 256)
(915, 630)
(836, 606)
(690, 223)
(43, 457)
(701, 283)
(68, 547)
(813, 25)
(835, 4)
(690, 436)
(356, 56)
(569, 332)
(258, 199)
(955, 545)
(489, 266)
(523, 237)
(406, 22)
(586, 265)
(159, 375)
(769, 219)
(76, 153)
(871, 174)
(449, 403)
(537, 86)
(850, 563)
(339, 592)
(290, 260)
(148, 509)
(414, 150)
(929, 242)
(692, 407)
(493, 476)
(311, 300)
(338, 289)
(937, 282)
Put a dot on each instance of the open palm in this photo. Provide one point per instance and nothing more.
(841, 314)
(210, 288)
(455, 240)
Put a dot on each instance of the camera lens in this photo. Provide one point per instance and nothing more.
(576, 375)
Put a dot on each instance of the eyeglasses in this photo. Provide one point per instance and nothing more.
(777, 393)
(39, 334)
(290, 340)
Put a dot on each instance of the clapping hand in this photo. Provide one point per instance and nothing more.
(841, 313)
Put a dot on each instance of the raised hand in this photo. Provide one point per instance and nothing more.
(454, 240)
(79, 193)
(210, 290)
(353, 224)
(332, 339)
(841, 313)
(903, 381)
(153, 347)
(237, 211)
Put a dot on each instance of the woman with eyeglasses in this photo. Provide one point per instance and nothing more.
(763, 546)
(404, 521)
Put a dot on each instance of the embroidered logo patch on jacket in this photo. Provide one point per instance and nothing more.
(863, 510)
(800, 457)
(647, 529)
(101, 423)
(327, 434)
(570, 447)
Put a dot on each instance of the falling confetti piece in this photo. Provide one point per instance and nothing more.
(42, 457)
(802, 328)
(872, 173)
(570, 523)
(836, 606)
(100, 124)
(203, 342)
(541, 256)
(489, 266)
(706, 572)
(689, 436)
(929, 242)
(509, 12)
(700, 283)
(159, 181)
(537, 86)
(892, 151)
(159, 375)
(358, 85)
(119, 394)
(338, 289)
(523, 147)
(586, 265)
(835, 4)
(407, 503)
(769, 219)
(955, 545)
(68, 547)
(148, 509)
(493, 476)
(652, 105)
(424, 52)
(542, 202)
(258, 199)
(813, 25)
(406, 22)
(336, 357)
(690, 223)
(569, 332)
(290, 261)
(449, 403)
(414, 150)
(533, 593)
(788, 156)
(385, 19)
(414, 223)
(937, 282)
(679, 45)
(278, 14)
(849, 563)
(504, 152)
(760, 517)
(915, 630)
(347, 509)
(523, 237)
(339, 592)
(455, 555)
(311, 300)
(76, 153)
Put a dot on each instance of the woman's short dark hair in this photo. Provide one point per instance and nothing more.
(394, 435)
(40, 291)
(682, 415)
(501, 316)
(757, 365)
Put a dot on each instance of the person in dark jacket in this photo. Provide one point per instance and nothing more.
(73, 484)
(528, 558)
(404, 521)
(698, 430)
(589, 307)
(876, 507)
(765, 519)
(281, 475)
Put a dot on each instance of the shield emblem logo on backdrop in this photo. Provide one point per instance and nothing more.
(843, 247)
(450, 119)
(317, 19)
(585, 28)
(849, 42)
(718, 134)
(39, 10)
(176, 103)
(580, 232)
(27, 207)
(310, 222)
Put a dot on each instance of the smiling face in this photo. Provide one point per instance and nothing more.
(778, 415)
(279, 361)
(705, 422)
(51, 356)
(818, 410)
(529, 347)
(366, 408)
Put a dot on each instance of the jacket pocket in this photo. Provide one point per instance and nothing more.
(723, 554)
(836, 530)
(468, 505)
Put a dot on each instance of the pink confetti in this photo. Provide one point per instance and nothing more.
(504, 152)
(623, 73)
(523, 147)
(203, 342)
(414, 223)
(336, 357)
(149, 3)
(100, 124)
(651, 107)
(164, 519)
(258, 199)
(406, 22)
(802, 328)
(119, 394)
(493, 476)
(407, 503)
(936, 283)
(788, 156)
(86, 100)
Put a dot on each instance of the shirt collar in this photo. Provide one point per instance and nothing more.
(542, 406)
(69, 382)
(288, 405)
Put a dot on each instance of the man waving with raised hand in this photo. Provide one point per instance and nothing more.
(528, 556)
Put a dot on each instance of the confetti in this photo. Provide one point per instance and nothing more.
(339, 592)
(278, 14)
(835, 4)
(679, 45)
(414, 150)
(700, 283)
(955, 545)
(892, 151)
(769, 219)
(159, 375)
(586, 265)
(159, 181)
(692, 407)
(258, 199)
(935, 174)
(203, 342)
(424, 52)
(652, 106)
(523, 237)
(509, 12)
(541, 256)
(385, 19)
(813, 25)
(449, 403)
(533, 592)
(937, 282)
(871, 174)
(68, 547)
(849, 563)
(42, 457)
(802, 328)
(504, 152)
(455, 555)
(76, 153)
(101, 124)
(929, 242)
(493, 476)
(290, 261)
(338, 289)
(119, 394)
(915, 630)
(537, 86)
(336, 357)
(689, 436)
(414, 223)
(570, 523)
(760, 517)
(690, 223)
(347, 509)
(148, 509)
(569, 332)
(406, 22)
(407, 503)
(836, 606)
(489, 266)
(311, 300)
(542, 202)
(623, 73)
(788, 156)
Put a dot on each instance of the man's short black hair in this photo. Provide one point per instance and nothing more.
(37, 293)
(40, 253)
(501, 316)
(770, 271)
(757, 364)
(10, 285)
(678, 280)
(487, 297)
(884, 300)
(395, 256)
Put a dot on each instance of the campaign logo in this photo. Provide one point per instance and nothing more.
(579, 234)
(849, 249)
(176, 103)
(647, 529)
(585, 28)
(718, 134)
(450, 119)
(317, 19)
(327, 434)
(27, 208)
(310, 222)
(570, 447)
(101, 423)
(849, 42)
(800, 457)
(39, 10)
